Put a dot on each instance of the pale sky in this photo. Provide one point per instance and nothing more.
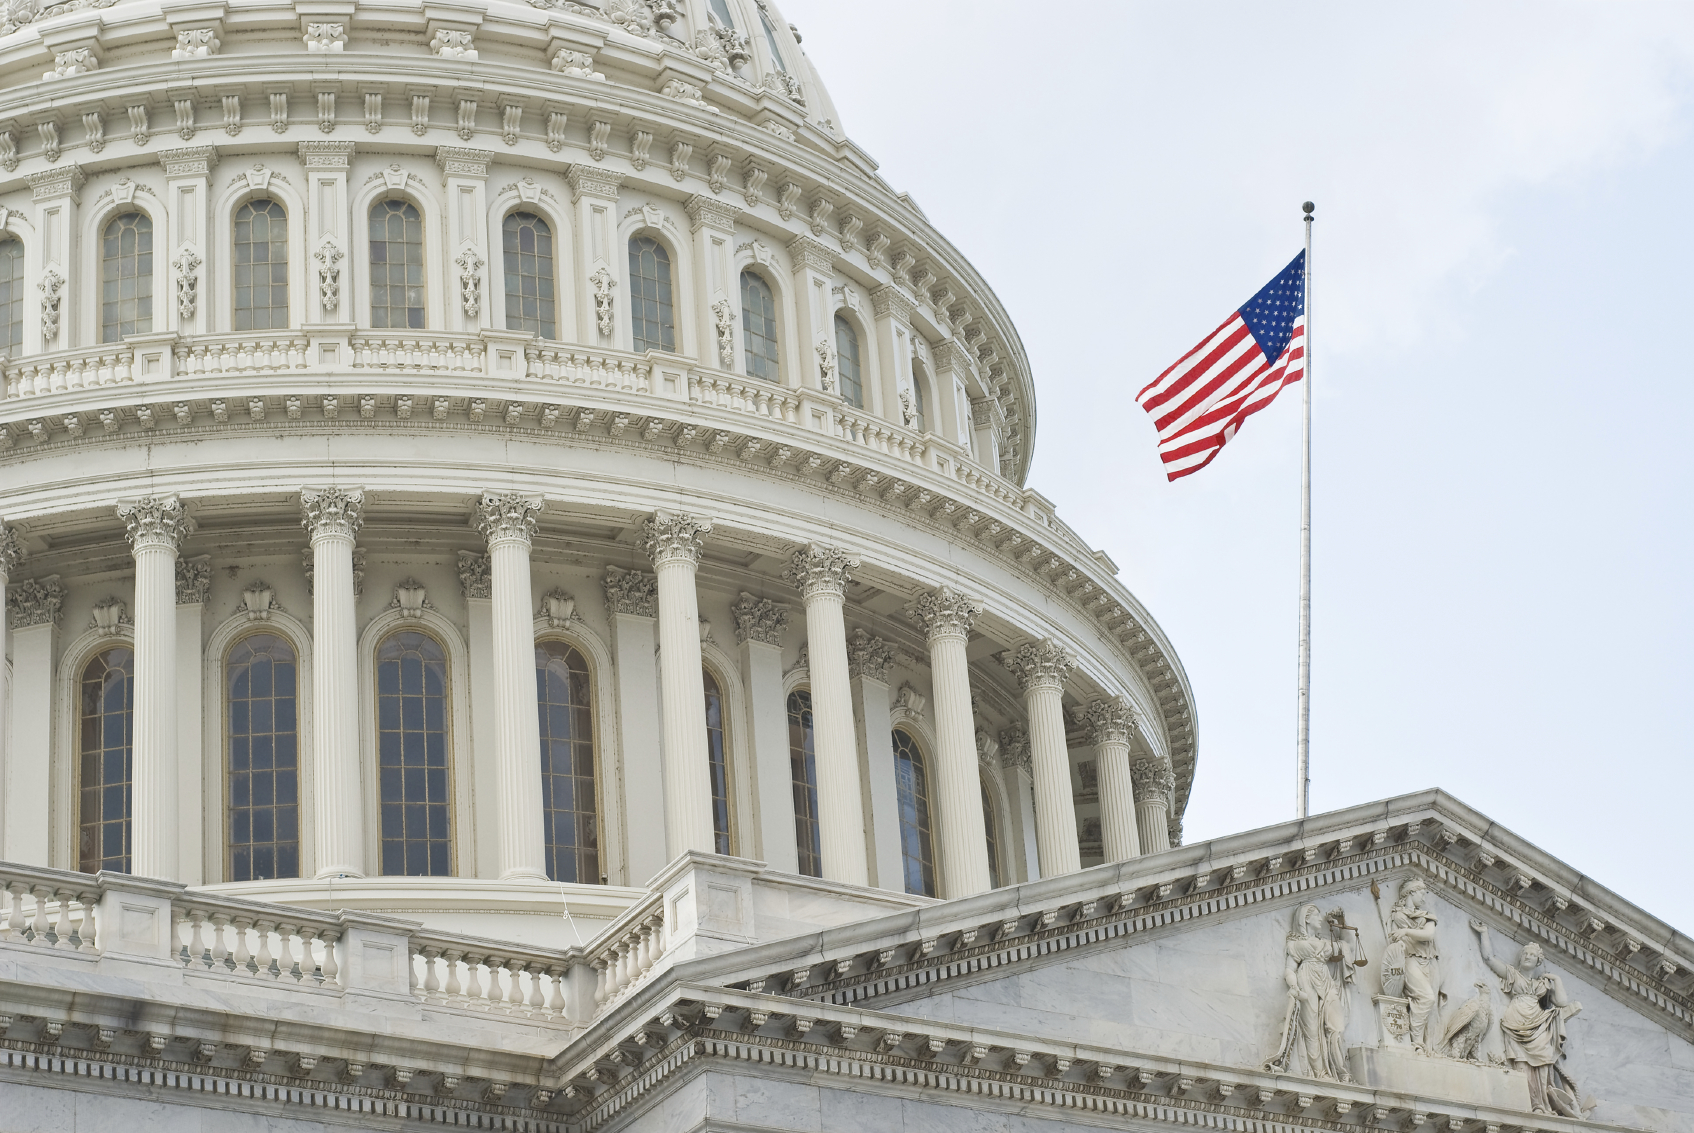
(1502, 473)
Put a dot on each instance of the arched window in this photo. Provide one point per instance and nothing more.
(770, 38)
(917, 847)
(104, 780)
(847, 363)
(721, 10)
(260, 679)
(261, 266)
(651, 311)
(920, 419)
(126, 276)
(992, 829)
(397, 266)
(11, 297)
(568, 809)
(758, 326)
(717, 733)
(413, 769)
(526, 241)
(803, 770)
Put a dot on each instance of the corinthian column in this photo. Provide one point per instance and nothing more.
(1042, 668)
(821, 574)
(508, 523)
(155, 527)
(1154, 783)
(673, 542)
(334, 516)
(1110, 723)
(11, 554)
(947, 617)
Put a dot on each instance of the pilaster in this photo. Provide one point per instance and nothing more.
(33, 610)
(600, 264)
(477, 585)
(814, 274)
(869, 660)
(57, 195)
(464, 175)
(193, 581)
(328, 237)
(712, 223)
(759, 627)
(184, 241)
(893, 309)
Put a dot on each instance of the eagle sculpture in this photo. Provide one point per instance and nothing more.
(1467, 1026)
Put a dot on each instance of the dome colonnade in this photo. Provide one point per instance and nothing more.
(668, 307)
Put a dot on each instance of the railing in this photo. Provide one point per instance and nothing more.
(265, 355)
(373, 350)
(83, 369)
(235, 937)
(880, 436)
(462, 971)
(45, 912)
(578, 367)
(756, 398)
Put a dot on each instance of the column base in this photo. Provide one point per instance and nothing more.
(335, 871)
(525, 875)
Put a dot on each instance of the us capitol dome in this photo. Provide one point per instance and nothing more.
(524, 611)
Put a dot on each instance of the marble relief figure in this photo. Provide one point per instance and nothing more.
(1320, 961)
(1410, 963)
(1534, 1026)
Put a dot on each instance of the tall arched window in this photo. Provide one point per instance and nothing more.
(758, 326)
(920, 412)
(397, 266)
(126, 276)
(526, 242)
(11, 296)
(847, 363)
(803, 770)
(721, 11)
(770, 39)
(261, 266)
(565, 693)
(413, 768)
(651, 309)
(104, 780)
(992, 830)
(917, 847)
(261, 679)
(717, 750)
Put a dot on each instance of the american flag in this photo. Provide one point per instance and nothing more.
(1200, 403)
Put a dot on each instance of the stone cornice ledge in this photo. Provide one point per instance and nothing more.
(692, 1023)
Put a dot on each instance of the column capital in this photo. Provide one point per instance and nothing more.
(709, 212)
(327, 512)
(1108, 721)
(456, 161)
(1040, 665)
(811, 253)
(11, 551)
(1154, 782)
(327, 156)
(869, 656)
(1014, 748)
(592, 181)
(35, 602)
(508, 517)
(631, 592)
(189, 161)
(476, 578)
(51, 184)
(155, 522)
(820, 569)
(674, 537)
(193, 580)
(759, 619)
(944, 612)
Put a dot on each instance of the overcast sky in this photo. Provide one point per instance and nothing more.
(1502, 397)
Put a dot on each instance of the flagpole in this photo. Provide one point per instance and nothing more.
(1303, 787)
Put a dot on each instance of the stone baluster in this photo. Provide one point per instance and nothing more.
(155, 527)
(534, 1000)
(220, 950)
(334, 516)
(514, 982)
(821, 575)
(674, 543)
(85, 930)
(329, 938)
(431, 984)
(1041, 668)
(1154, 784)
(453, 989)
(473, 980)
(38, 926)
(1111, 724)
(265, 960)
(508, 522)
(947, 617)
(602, 982)
(309, 955)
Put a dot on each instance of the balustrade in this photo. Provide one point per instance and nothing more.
(574, 366)
(48, 915)
(240, 356)
(625, 959)
(417, 352)
(760, 399)
(57, 373)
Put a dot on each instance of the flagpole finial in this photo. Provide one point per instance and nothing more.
(1308, 208)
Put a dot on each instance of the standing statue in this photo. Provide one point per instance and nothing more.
(1534, 1026)
(1317, 1005)
(1409, 968)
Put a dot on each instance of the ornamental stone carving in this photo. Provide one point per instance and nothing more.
(111, 618)
(826, 367)
(332, 512)
(869, 657)
(325, 37)
(631, 592)
(158, 521)
(1040, 665)
(258, 602)
(944, 612)
(576, 64)
(411, 599)
(35, 602)
(723, 316)
(1533, 1026)
(604, 287)
(1014, 748)
(329, 277)
(197, 43)
(674, 537)
(634, 16)
(1108, 721)
(821, 569)
(187, 265)
(1318, 967)
(50, 284)
(77, 61)
(987, 748)
(1153, 781)
(193, 580)
(558, 607)
(475, 576)
(470, 282)
(511, 516)
(453, 45)
(759, 619)
(11, 551)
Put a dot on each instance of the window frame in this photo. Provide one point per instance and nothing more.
(597, 745)
(302, 674)
(157, 276)
(559, 252)
(726, 727)
(366, 279)
(926, 829)
(290, 286)
(22, 259)
(841, 319)
(78, 675)
(678, 298)
(744, 354)
(789, 713)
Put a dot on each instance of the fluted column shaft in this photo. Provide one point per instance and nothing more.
(508, 522)
(1154, 783)
(1111, 723)
(674, 542)
(1042, 669)
(155, 527)
(947, 616)
(334, 516)
(821, 574)
(11, 554)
